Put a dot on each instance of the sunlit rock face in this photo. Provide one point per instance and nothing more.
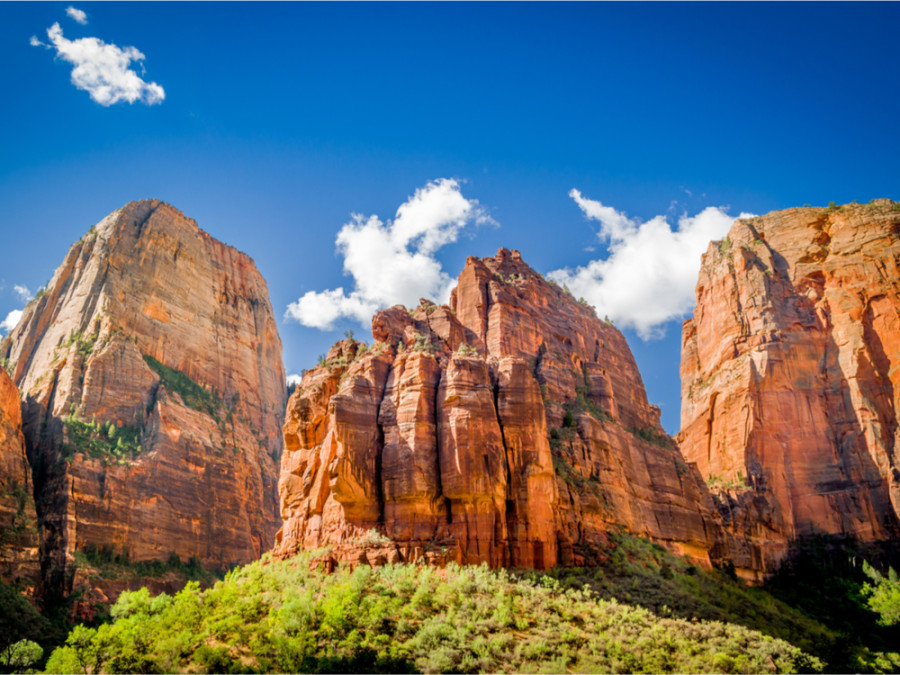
(153, 388)
(19, 562)
(791, 377)
(510, 427)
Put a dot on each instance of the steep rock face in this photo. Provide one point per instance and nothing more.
(790, 377)
(154, 391)
(18, 520)
(510, 427)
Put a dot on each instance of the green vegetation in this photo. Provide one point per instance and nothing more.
(20, 523)
(569, 473)
(7, 366)
(640, 609)
(20, 656)
(824, 577)
(739, 483)
(725, 246)
(102, 441)
(884, 596)
(85, 344)
(281, 616)
(22, 629)
(110, 564)
(193, 395)
(652, 436)
(582, 403)
(509, 279)
(423, 344)
(466, 350)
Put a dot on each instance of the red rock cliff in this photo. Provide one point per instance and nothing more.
(791, 377)
(511, 427)
(18, 521)
(154, 392)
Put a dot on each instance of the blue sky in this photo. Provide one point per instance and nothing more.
(280, 120)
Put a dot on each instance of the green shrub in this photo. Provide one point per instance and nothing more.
(725, 246)
(883, 595)
(193, 395)
(652, 436)
(102, 441)
(284, 616)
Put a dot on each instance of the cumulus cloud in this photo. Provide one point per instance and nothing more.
(293, 379)
(393, 263)
(649, 275)
(103, 70)
(11, 320)
(77, 15)
(22, 291)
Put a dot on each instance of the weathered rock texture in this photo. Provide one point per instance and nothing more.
(18, 521)
(791, 377)
(511, 427)
(152, 332)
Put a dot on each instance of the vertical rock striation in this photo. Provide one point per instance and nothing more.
(791, 377)
(18, 521)
(153, 391)
(510, 427)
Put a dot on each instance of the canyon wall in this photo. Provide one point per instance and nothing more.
(18, 520)
(510, 427)
(791, 377)
(153, 388)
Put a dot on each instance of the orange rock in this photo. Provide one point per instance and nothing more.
(791, 377)
(19, 561)
(510, 427)
(146, 283)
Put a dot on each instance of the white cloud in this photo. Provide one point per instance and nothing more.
(393, 263)
(651, 271)
(11, 320)
(293, 379)
(104, 70)
(34, 42)
(22, 291)
(77, 15)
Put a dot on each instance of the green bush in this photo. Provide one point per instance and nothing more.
(103, 441)
(282, 616)
(21, 627)
(193, 395)
(883, 595)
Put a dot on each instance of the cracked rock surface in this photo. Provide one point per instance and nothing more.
(510, 427)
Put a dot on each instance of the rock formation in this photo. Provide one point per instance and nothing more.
(154, 391)
(18, 521)
(791, 377)
(510, 427)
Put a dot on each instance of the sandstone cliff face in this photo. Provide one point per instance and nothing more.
(18, 521)
(154, 392)
(510, 427)
(791, 377)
